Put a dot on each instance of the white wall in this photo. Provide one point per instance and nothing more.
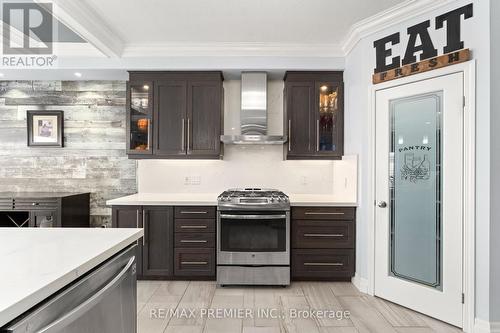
(495, 163)
(242, 166)
(475, 33)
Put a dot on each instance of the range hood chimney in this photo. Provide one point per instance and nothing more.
(253, 114)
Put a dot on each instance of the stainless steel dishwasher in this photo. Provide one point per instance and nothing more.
(104, 301)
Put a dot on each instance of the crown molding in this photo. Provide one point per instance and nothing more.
(389, 17)
(364, 28)
(89, 25)
(233, 49)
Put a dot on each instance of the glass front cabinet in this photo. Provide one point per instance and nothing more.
(140, 117)
(314, 122)
(174, 115)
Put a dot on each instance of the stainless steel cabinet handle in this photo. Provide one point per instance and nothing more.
(194, 262)
(35, 204)
(193, 226)
(149, 133)
(193, 212)
(63, 321)
(323, 235)
(325, 213)
(246, 217)
(188, 147)
(317, 135)
(144, 226)
(182, 136)
(193, 241)
(289, 134)
(137, 218)
(323, 264)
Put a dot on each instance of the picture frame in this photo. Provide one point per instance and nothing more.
(45, 128)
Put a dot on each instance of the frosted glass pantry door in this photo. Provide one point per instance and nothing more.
(418, 227)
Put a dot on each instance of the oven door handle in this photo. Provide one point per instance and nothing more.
(252, 216)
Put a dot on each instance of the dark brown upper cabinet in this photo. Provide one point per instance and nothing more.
(314, 115)
(180, 115)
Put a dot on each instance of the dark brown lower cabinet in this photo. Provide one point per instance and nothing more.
(323, 243)
(195, 239)
(323, 264)
(158, 245)
(45, 210)
(174, 245)
(195, 262)
(130, 217)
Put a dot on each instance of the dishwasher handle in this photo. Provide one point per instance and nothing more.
(89, 303)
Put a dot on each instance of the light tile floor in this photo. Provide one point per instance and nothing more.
(367, 314)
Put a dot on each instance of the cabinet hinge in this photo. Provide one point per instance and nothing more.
(463, 298)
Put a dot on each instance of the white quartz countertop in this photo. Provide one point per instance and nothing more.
(37, 262)
(171, 199)
(210, 199)
(319, 200)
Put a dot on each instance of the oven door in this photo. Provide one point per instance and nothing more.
(253, 238)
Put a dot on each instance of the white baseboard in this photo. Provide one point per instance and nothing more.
(360, 283)
(483, 326)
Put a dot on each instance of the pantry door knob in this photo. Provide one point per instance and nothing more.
(382, 204)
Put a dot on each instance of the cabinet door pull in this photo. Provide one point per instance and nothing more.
(193, 226)
(323, 264)
(193, 241)
(35, 204)
(194, 262)
(144, 226)
(289, 134)
(325, 213)
(193, 212)
(317, 135)
(323, 235)
(188, 147)
(137, 218)
(182, 136)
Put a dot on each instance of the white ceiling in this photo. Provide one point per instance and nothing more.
(254, 21)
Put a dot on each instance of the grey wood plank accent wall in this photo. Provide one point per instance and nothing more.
(93, 159)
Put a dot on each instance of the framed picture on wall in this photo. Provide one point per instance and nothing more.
(45, 128)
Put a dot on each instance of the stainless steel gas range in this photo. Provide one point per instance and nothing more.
(253, 237)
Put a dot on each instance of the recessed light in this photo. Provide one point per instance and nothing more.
(78, 74)
(1, 74)
(146, 87)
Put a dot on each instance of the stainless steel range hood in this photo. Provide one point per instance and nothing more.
(253, 114)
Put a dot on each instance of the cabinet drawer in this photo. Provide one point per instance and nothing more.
(322, 264)
(194, 262)
(323, 213)
(195, 225)
(6, 204)
(190, 239)
(194, 212)
(35, 204)
(321, 234)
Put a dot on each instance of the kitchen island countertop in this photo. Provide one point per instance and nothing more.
(38, 262)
